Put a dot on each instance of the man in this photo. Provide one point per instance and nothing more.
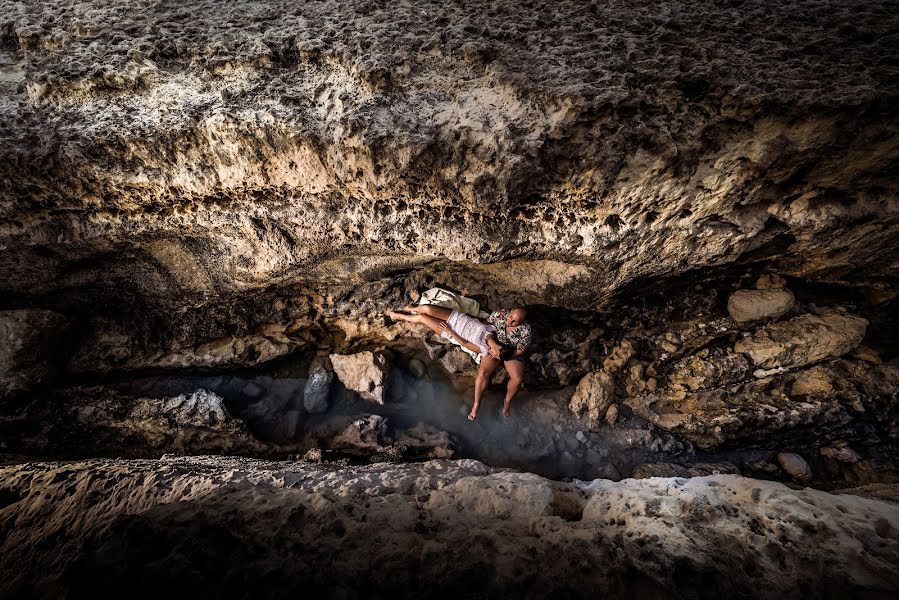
(510, 340)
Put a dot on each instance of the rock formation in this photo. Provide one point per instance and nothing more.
(206, 210)
(236, 526)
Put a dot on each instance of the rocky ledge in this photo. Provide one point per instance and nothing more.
(220, 527)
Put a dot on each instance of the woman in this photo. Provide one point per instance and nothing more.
(469, 331)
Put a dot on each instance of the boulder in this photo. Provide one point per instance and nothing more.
(364, 373)
(795, 466)
(745, 306)
(30, 344)
(317, 392)
(457, 361)
(840, 453)
(592, 397)
(803, 340)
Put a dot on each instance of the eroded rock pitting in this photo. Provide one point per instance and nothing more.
(207, 208)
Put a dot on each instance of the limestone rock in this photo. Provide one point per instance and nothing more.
(317, 392)
(795, 466)
(744, 306)
(840, 453)
(770, 281)
(283, 525)
(697, 373)
(592, 397)
(812, 382)
(457, 361)
(803, 340)
(612, 414)
(104, 421)
(364, 372)
(698, 469)
(618, 357)
(30, 345)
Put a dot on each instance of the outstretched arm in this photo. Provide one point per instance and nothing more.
(445, 327)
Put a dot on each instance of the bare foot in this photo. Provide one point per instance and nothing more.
(506, 408)
(396, 316)
(473, 414)
(410, 309)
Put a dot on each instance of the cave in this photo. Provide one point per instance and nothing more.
(226, 230)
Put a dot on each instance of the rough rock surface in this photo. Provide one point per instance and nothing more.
(592, 397)
(317, 392)
(164, 167)
(30, 343)
(795, 465)
(364, 372)
(755, 305)
(99, 421)
(221, 527)
(803, 340)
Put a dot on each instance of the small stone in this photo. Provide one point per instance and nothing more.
(867, 354)
(770, 282)
(579, 436)
(795, 466)
(252, 390)
(417, 368)
(745, 306)
(652, 384)
(842, 454)
(612, 414)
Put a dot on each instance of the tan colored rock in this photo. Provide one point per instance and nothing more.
(696, 373)
(803, 340)
(618, 357)
(457, 361)
(297, 518)
(364, 372)
(840, 453)
(745, 306)
(612, 414)
(795, 466)
(699, 469)
(867, 354)
(812, 382)
(592, 397)
(770, 282)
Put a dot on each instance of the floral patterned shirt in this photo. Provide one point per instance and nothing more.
(519, 337)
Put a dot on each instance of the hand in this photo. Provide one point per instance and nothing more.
(444, 326)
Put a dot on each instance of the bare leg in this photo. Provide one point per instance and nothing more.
(485, 372)
(430, 322)
(437, 312)
(515, 369)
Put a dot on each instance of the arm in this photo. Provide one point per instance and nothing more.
(461, 341)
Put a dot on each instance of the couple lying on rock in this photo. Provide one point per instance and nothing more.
(502, 337)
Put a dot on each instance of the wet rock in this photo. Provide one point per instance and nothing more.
(698, 469)
(745, 306)
(364, 372)
(803, 340)
(31, 342)
(317, 392)
(795, 466)
(592, 397)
